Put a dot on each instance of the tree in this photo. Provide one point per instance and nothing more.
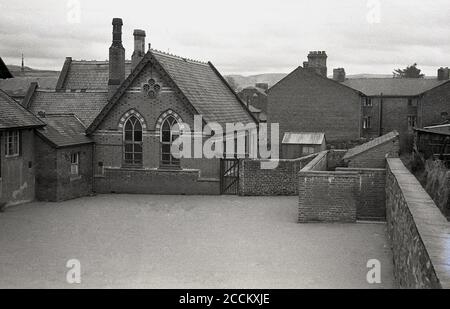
(410, 72)
(230, 80)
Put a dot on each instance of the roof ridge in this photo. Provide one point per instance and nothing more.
(178, 57)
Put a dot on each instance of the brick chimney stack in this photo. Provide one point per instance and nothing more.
(339, 75)
(139, 47)
(116, 57)
(317, 61)
(444, 74)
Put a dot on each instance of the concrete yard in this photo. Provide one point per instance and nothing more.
(142, 241)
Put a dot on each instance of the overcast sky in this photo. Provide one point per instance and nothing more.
(238, 36)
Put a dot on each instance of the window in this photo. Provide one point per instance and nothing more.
(12, 143)
(368, 102)
(308, 150)
(367, 122)
(75, 164)
(133, 141)
(412, 121)
(168, 136)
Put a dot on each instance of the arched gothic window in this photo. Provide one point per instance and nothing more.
(132, 139)
(168, 135)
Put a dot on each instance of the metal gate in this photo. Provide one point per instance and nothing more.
(229, 176)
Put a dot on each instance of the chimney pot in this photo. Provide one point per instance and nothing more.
(139, 47)
(444, 73)
(339, 75)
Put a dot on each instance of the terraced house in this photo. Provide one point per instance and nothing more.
(111, 124)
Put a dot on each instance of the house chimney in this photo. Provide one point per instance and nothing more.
(339, 75)
(139, 47)
(317, 61)
(263, 86)
(444, 74)
(116, 57)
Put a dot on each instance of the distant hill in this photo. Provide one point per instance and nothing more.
(246, 81)
(273, 78)
(18, 86)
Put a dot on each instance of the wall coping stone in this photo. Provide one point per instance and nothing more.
(433, 227)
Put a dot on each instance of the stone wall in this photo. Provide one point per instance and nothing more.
(283, 180)
(418, 232)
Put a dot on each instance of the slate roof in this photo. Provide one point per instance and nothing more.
(13, 115)
(17, 86)
(85, 105)
(369, 145)
(205, 89)
(63, 131)
(393, 86)
(4, 71)
(303, 138)
(92, 75)
(199, 83)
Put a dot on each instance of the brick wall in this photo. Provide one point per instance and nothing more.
(418, 232)
(283, 180)
(68, 186)
(343, 195)
(376, 156)
(372, 193)
(17, 179)
(53, 179)
(307, 102)
(433, 103)
(328, 196)
(46, 172)
(198, 176)
(155, 181)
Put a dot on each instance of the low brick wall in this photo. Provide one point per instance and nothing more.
(343, 195)
(418, 232)
(283, 180)
(372, 193)
(155, 181)
(326, 196)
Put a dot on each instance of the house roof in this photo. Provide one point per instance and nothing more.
(81, 74)
(199, 83)
(369, 145)
(4, 71)
(303, 138)
(393, 86)
(13, 115)
(205, 88)
(85, 105)
(63, 131)
(257, 89)
(17, 86)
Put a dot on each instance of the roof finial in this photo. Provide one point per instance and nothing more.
(22, 68)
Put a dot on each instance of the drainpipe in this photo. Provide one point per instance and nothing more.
(380, 128)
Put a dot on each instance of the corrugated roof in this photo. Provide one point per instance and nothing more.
(13, 115)
(63, 131)
(392, 86)
(204, 88)
(373, 143)
(303, 138)
(92, 75)
(85, 105)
